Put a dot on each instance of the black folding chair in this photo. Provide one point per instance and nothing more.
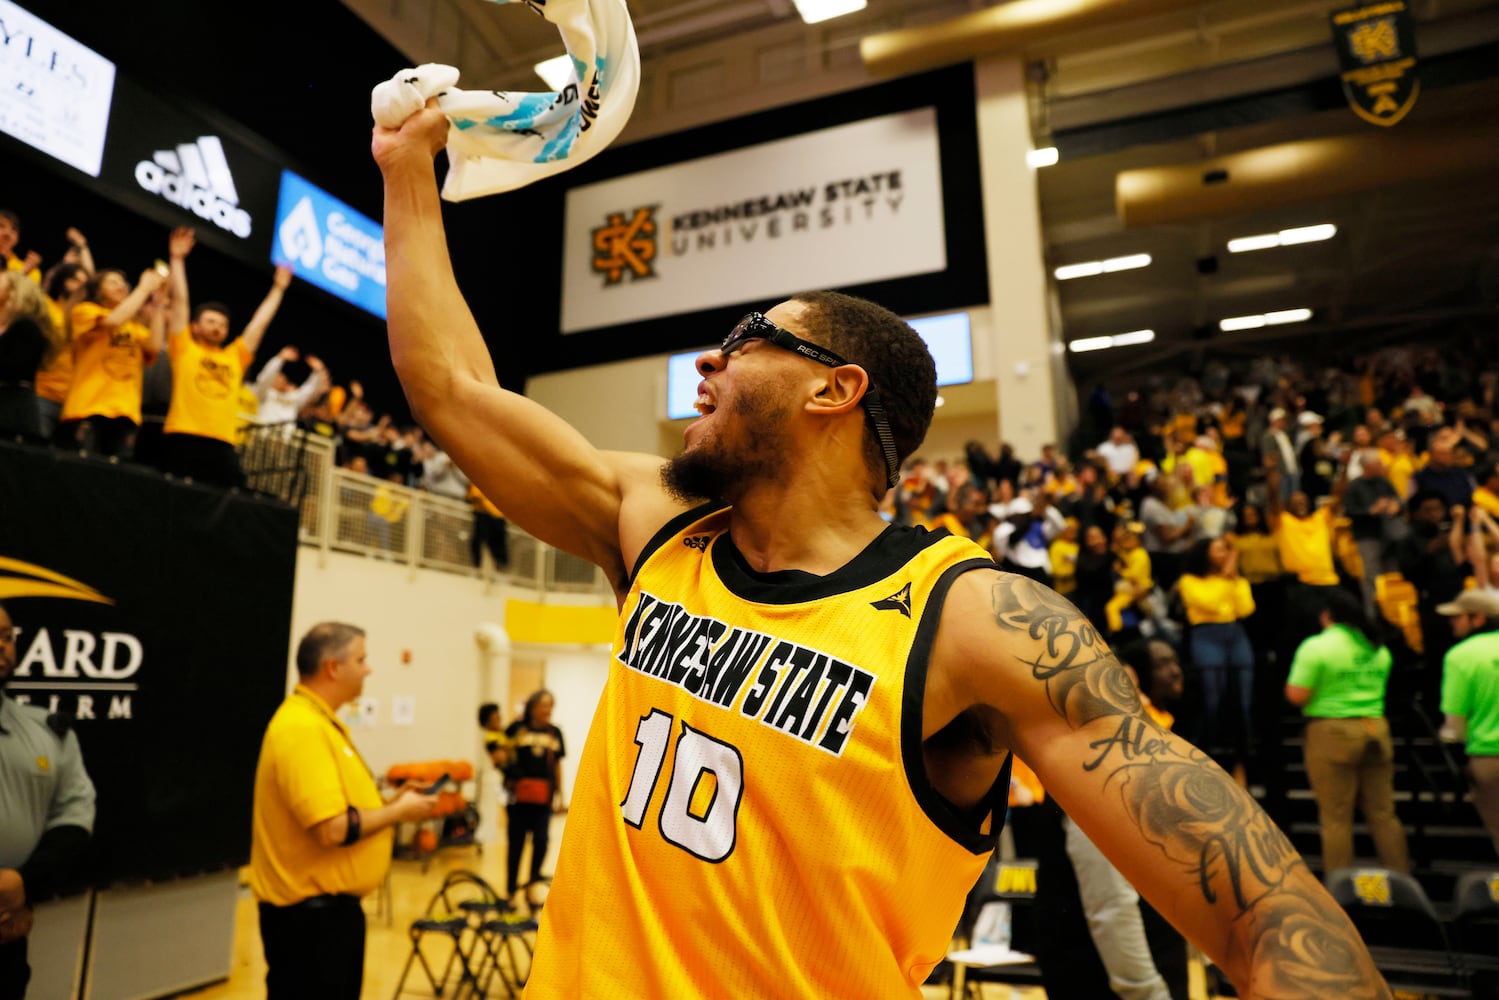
(1405, 936)
(456, 914)
(1475, 930)
(504, 935)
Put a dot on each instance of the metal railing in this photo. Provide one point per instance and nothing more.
(350, 512)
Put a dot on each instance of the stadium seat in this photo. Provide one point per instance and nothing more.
(1475, 930)
(1012, 883)
(1399, 924)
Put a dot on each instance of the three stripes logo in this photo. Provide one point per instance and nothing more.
(196, 176)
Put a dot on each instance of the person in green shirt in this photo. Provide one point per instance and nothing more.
(1470, 695)
(1338, 680)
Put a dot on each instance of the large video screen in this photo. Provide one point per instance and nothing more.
(947, 336)
(951, 343)
(327, 243)
(54, 93)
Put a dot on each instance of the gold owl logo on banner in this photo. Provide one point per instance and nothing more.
(1377, 53)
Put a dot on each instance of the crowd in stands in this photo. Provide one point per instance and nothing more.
(1230, 513)
(136, 372)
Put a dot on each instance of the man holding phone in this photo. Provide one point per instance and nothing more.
(322, 832)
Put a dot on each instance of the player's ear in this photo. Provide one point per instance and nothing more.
(839, 390)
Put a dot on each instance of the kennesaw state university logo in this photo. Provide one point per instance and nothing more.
(626, 246)
(196, 176)
(898, 601)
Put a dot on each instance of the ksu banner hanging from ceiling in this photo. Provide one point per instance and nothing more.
(843, 206)
(1377, 54)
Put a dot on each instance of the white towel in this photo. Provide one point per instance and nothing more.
(501, 141)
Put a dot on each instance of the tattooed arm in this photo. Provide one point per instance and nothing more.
(1189, 838)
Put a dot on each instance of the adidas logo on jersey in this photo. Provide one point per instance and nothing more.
(699, 542)
(196, 176)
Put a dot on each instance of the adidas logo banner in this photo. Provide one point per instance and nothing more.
(196, 176)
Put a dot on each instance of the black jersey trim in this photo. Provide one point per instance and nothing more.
(959, 824)
(884, 557)
(668, 530)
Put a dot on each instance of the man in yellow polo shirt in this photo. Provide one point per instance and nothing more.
(203, 420)
(322, 833)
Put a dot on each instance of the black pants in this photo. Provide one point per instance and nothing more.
(525, 818)
(314, 950)
(489, 532)
(14, 972)
(204, 460)
(110, 437)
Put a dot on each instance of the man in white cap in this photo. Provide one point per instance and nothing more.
(1311, 426)
(1279, 454)
(1470, 695)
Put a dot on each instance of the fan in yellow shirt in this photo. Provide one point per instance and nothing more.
(1217, 600)
(207, 375)
(65, 287)
(111, 348)
(1064, 558)
(1132, 564)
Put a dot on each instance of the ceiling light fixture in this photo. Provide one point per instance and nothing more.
(1046, 156)
(1088, 269)
(813, 11)
(556, 71)
(1278, 318)
(1284, 238)
(1118, 340)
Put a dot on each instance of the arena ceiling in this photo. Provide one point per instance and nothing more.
(1412, 257)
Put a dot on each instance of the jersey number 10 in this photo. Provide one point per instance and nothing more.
(702, 768)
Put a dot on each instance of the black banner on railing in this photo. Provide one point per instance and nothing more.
(158, 615)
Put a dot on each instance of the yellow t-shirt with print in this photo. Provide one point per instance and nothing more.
(205, 386)
(108, 366)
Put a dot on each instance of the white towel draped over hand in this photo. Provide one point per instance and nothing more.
(501, 141)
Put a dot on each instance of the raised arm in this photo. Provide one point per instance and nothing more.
(127, 310)
(155, 312)
(1272, 494)
(272, 368)
(1179, 828)
(78, 245)
(179, 245)
(266, 311)
(540, 471)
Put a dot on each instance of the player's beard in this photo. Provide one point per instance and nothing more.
(721, 466)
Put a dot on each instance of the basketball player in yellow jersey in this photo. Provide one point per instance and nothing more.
(797, 765)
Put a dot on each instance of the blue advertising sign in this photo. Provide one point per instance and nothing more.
(329, 244)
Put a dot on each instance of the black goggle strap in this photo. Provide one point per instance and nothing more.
(876, 411)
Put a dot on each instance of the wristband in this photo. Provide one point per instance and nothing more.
(353, 831)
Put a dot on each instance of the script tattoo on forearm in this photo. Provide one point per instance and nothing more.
(1083, 679)
(1302, 944)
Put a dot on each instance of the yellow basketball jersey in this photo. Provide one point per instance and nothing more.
(751, 816)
